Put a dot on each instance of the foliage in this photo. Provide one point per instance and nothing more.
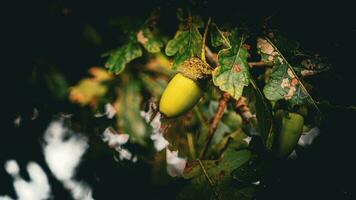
(186, 42)
(122, 56)
(232, 74)
(244, 135)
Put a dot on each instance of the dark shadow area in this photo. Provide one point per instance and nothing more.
(50, 33)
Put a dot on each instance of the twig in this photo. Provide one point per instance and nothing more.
(209, 179)
(226, 40)
(219, 113)
(154, 113)
(213, 59)
(203, 44)
(258, 64)
(241, 107)
(200, 116)
(191, 145)
(228, 142)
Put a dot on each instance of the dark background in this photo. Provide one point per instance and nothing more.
(49, 33)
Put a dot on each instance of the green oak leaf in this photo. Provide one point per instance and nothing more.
(220, 174)
(287, 47)
(150, 39)
(218, 37)
(283, 82)
(119, 58)
(129, 119)
(249, 172)
(232, 74)
(225, 190)
(232, 159)
(264, 117)
(280, 86)
(273, 90)
(186, 43)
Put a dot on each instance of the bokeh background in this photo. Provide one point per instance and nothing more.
(51, 34)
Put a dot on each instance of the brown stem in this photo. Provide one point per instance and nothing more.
(219, 113)
(258, 64)
(203, 44)
(241, 107)
(213, 59)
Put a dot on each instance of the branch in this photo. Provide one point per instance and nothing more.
(258, 64)
(213, 59)
(191, 145)
(241, 107)
(219, 113)
(203, 45)
(210, 181)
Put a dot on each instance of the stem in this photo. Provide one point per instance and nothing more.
(191, 145)
(219, 113)
(258, 64)
(213, 58)
(228, 142)
(211, 183)
(200, 116)
(226, 40)
(154, 113)
(203, 44)
(241, 107)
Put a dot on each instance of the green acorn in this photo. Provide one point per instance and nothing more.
(232, 120)
(185, 88)
(289, 129)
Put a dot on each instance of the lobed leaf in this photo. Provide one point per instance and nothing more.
(232, 74)
(185, 44)
(129, 119)
(218, 37)
(150, 39)
(219, 173)
(283, 82)
(264, 117)
(119, 58)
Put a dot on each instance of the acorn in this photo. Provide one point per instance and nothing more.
(232, 120)
(289, 130)
(186, 88)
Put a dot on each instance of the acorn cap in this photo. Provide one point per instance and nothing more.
(195, 69)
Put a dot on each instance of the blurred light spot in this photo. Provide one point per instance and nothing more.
(116, 140)
(293, 155)
(110, 112)
(175, 164)
(17, 121)
(63, 150)
(12, 167)
(36, 188)
(35, 114)
(247, 139)
(159, 141)
(308, 138)
(113, 138)
(256, 183)
(5, 198)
